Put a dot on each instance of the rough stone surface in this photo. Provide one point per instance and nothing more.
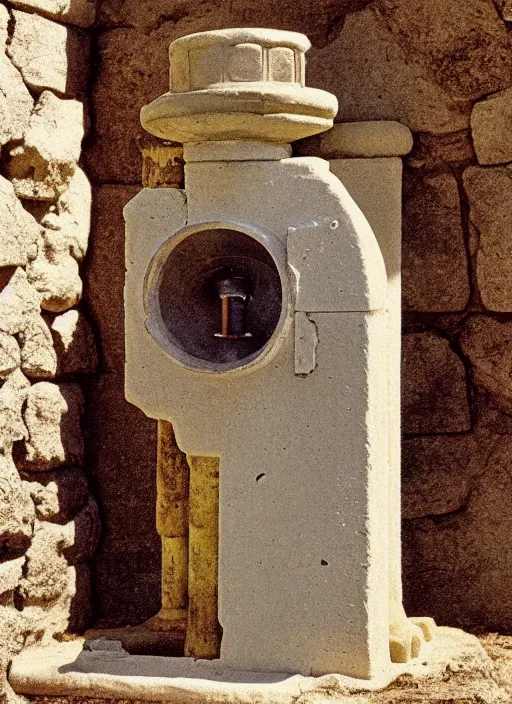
(10, 357)
(434, 393)
(42, 594)
(71, 216)
(490, 192)
(49, 55)
(466, 566)
(487, 344)
(375, 79)
(128, 64)
(67, 613)
(16, 508)
(20, 316)
(82, 534)
(38, 358)
(12, 627)
(13, 393)
(77, 12)
(11, 572)
(19, 301)
(104, 296)
(441, 149)
(15, 102)
(18, 229)
(42, 167)
(46, 570)
(54, 273)
(322, 20)
(52, 416)
(74, 344)
(438, 472)
(465, 46)
(491, 123)
(59, 495)
(434, 262)
(505, 7)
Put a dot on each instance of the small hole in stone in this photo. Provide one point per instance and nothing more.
(324, 562)
(334, 225)
(260, 476)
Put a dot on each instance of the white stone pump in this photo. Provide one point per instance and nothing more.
(262, 320)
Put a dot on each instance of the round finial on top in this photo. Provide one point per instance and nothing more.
(239, 84)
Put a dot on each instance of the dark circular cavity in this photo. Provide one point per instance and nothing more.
(193, 283)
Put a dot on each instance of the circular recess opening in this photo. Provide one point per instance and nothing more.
(220, 297)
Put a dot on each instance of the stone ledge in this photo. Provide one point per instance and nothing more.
(351, 140)
(453, 667)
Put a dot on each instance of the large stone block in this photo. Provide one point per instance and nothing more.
(78, 12)
(123, 455)
(319, 20)
(131, 71)
(105, 295)
(52, 416)
(434, 262)
(18, 229)
(438, 472)
(458, 567)
(42, 167)
(464, 45)
(487, 344)
(489, 193)
(49, 55)
(59, 495)
(434, 393)
(490, 125)
(74, 344)
(376, 79)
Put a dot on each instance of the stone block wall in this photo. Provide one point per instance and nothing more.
(444, 69)
(49, 520)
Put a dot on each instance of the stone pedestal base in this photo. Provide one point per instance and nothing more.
(454, 667)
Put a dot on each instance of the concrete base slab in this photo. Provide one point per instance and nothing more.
(453, 667)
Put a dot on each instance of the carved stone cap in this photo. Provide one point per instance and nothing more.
(237, 55)
(239, 84)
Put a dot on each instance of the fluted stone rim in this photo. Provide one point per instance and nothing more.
(256, 35)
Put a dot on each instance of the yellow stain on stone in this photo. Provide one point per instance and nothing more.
(203, 631)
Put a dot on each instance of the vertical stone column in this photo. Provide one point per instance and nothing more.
(162, 168)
